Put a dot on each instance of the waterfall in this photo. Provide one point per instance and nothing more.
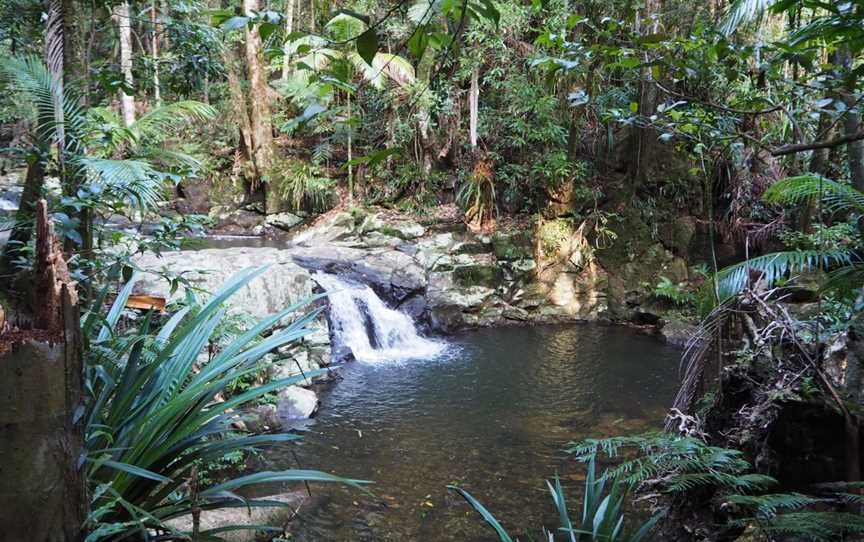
(372, 330)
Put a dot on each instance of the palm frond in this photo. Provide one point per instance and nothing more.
(771, 267)
(344, 27)
(158, 123)
(744, 11)
(30, 75)
(132, 180)
(385, 66)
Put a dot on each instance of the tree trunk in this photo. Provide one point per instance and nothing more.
(124, 27)
(154, 50)
(259, 112)
(23, 229)
(350, 157)
(473, 108)
(289, 28)
(852, 122)
(647, 96)
(43, 496)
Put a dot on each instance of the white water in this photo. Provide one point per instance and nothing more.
(356, 313)
(8, 204)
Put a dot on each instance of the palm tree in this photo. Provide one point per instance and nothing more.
(117, 163)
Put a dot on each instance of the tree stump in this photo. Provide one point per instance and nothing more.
(43, 493)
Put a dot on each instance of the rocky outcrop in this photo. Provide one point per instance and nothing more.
(283, 284)
(394, 275)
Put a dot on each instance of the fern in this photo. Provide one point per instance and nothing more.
(836, 197)
(817, 526)
(769, 505)
(677, 464)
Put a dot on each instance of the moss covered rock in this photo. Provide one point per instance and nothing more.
(513, 246)
(478, 275)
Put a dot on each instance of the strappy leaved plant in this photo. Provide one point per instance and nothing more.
(156, 411)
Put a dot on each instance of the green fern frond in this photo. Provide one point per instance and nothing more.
(817, 526)
(769, 505)
(132, 180)
(835, 196)
(157, 124)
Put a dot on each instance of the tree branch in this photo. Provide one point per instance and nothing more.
(827, 144)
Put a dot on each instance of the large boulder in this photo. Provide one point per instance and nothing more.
(391, 273)
(296, 403)
(282, 285)
(284, 221)
(194, 197)
(238, 222)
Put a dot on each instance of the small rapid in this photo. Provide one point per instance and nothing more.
(371, 330)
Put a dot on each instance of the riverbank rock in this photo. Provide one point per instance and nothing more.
(296, 403)
(276, 515)
(238, 222)
(284, 221)
(677, 332)
(283, 284)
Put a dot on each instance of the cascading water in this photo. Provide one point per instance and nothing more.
(369, 328)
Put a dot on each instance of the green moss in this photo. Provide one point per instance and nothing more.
(553, 235)
(516, 246)
(473, 248)
(392, 232)
(478, 275)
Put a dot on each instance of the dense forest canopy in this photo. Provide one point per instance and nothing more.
(637, 161)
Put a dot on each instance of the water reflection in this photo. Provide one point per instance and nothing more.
(492, 415)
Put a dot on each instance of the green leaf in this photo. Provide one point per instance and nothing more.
(137, 471)
(487, 516)
(265, 30)
(419, 42)
(367, 45)
(375, 157)
(235, 23)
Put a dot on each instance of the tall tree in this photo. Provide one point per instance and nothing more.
(289, 28)
(123, 18)
(259, 108)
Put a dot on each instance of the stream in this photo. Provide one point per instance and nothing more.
(490, 413)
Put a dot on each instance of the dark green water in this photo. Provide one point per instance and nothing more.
(492, 415)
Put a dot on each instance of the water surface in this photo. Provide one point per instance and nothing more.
(491, 414)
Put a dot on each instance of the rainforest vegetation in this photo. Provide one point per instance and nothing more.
(693, 170)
